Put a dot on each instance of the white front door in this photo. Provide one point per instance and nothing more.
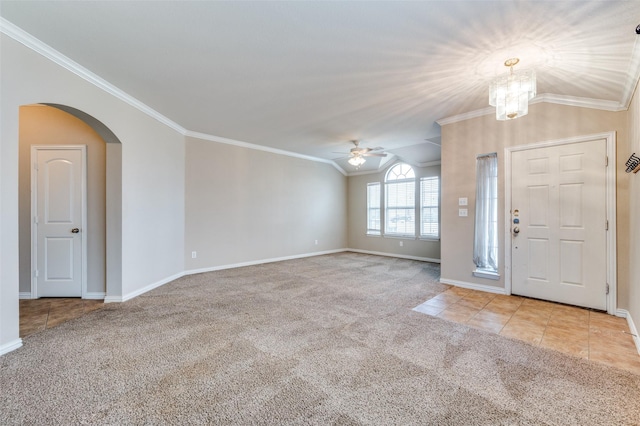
(558, 223)
(59, 197)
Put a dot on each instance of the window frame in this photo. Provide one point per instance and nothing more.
(415, 208)
(486, 247)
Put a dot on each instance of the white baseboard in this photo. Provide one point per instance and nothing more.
(632, 327)
(473, 286)
(129, 296)
(24, 295)
(11, 346)
(261, 261)
(401, 256)
(97, 295)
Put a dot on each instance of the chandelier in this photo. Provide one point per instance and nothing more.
(511, 93)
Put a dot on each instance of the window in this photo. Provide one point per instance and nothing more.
(485, 242)
(429, 203)
(400, 201)
(403, 204)
(373, 208)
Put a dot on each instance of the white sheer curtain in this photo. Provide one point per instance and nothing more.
(485, 243)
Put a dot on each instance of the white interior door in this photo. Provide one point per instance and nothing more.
(558, 205)
(59, 206)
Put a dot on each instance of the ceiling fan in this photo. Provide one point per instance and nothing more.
(357, 154)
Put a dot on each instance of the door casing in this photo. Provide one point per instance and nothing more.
(611, 262)
(34, 212)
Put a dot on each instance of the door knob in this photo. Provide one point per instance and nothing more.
(75, 230)
(516, 230)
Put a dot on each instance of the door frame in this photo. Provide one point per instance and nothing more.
(610, 191)
(34, 211)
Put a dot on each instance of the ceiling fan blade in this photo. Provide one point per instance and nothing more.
(374, 154)
(377, 148)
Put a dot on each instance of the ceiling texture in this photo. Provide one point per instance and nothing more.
(308, 77)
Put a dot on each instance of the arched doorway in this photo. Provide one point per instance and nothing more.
(52, 124)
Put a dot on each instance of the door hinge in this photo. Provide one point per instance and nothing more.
(606, 161)
(35, 220)
(607, 288)
(606, 225)
(35, 166)
(36, 273)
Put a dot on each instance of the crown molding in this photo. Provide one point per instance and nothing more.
(53, 55)
(26, 39)
(575, 101)
(365, 172)
(430, 163)
(396, 159)
(600, 104)
(227, 141)
(466, 116)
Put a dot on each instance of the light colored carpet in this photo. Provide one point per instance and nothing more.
(323, 340)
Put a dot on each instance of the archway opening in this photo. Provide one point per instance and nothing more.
(54, 124)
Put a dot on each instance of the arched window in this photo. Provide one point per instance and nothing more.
(400, 201)
(408, 211)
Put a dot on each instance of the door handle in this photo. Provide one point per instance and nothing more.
(75, 230)
(516, 230)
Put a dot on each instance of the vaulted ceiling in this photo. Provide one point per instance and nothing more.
(308, 77)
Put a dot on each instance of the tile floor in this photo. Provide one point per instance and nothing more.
(580, 332)
(40, 314)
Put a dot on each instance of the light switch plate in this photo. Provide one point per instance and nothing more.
(462, 212)
(463, 201)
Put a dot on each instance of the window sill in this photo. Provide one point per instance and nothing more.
(486, 274)
(371, 234)
(400, 236)
(429, 238)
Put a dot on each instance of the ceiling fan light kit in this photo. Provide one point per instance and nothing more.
(511, 93)
(356, 161)
(357, 154)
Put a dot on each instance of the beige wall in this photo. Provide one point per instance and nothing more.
(44, 125)
(463, 141)
(358, 238)
(151, 206)
(245, 205)
(634, 212)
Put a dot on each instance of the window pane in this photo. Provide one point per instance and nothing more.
(400, 171)
(400, 201)
(373, 208)
(430, 200)
(485, 247)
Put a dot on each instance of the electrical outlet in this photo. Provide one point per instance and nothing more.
(194, 254)
(462, 212)
(401, 243)
(316, 242)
